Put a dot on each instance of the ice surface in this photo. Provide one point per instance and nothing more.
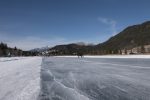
(70, 78)
(112, 56)
(20, 78)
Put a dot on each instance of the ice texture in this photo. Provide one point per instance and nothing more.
(70, 78)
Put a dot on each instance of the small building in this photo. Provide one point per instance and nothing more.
(136, 50)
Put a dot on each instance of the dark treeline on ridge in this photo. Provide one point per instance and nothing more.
(6, 51)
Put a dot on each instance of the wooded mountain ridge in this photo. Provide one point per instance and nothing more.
(131, 37)
(132, 40)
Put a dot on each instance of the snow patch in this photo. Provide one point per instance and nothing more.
(20, 78)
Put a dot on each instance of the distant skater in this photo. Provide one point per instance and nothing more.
(80, 55)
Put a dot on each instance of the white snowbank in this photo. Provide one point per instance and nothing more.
(20, 78)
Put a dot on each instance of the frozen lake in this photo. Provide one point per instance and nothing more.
(72, 78)
(66, 78)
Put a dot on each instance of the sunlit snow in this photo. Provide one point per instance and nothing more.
(20, 78)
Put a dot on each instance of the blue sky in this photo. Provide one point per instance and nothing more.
(31, 24)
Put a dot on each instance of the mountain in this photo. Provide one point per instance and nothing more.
(70, 49)
(133, 37)
(40, 49)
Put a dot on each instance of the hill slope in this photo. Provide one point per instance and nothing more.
(132, 36)
(70, 49)
(129, 38)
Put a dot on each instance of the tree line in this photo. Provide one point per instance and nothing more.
(6, 51)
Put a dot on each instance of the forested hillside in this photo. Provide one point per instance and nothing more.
(6, 51)
(131, 37)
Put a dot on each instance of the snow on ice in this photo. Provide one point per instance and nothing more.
(20, 78)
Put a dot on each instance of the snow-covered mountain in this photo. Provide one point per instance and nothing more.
(40, 49)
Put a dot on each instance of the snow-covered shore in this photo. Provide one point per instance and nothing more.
(20, 78)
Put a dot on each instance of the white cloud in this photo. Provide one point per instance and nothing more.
(111, 23)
